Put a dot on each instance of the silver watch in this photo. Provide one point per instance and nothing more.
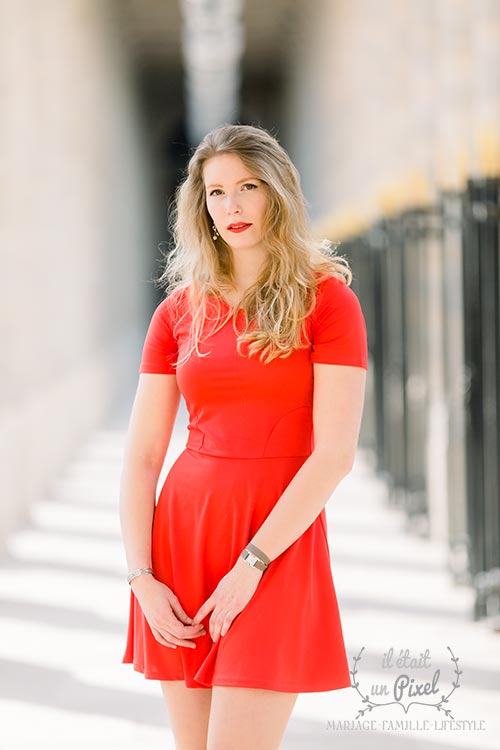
(253, 560)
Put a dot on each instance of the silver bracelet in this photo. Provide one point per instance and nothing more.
(254, 557)
(256, 551)
(138, 572)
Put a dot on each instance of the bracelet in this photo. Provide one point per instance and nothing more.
(138, 572)
(256, 551)
(254, 557)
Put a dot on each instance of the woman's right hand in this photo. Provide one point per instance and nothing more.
(168, 621)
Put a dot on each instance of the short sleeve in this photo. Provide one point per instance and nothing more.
(338, 326)
(160, 349)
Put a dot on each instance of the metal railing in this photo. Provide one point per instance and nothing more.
(429, 284)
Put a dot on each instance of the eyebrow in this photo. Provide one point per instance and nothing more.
(245, 179)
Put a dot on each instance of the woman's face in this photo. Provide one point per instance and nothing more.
(235, 197)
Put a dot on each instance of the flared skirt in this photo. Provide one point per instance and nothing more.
(289, 636)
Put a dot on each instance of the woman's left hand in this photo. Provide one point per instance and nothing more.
(231, 596)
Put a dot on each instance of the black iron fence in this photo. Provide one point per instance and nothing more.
(482, 369)
(429, 283)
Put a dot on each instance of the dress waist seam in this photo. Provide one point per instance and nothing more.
(244, 458)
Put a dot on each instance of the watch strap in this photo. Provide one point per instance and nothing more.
(251, 559)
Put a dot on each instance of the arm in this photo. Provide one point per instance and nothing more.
(339, 393)
(150, 428)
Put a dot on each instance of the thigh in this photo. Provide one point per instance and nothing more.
(188, 710)
(248, 718)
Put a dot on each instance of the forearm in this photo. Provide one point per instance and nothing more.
(300, 504)
(137, 505)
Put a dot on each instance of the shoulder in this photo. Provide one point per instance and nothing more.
(177, 296)
(173, 306)
(333, 295)
(337, 326)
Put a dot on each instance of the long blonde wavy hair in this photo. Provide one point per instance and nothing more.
(284, 294)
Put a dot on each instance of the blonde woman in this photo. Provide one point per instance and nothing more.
(232, 603)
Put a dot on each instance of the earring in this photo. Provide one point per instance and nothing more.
(216, 233)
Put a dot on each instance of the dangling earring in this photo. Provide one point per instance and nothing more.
(216, 233)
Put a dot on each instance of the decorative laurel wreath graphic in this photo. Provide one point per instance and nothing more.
(370, 705)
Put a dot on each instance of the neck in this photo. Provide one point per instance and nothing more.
(247, 265)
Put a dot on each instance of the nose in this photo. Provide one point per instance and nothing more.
(231, 204)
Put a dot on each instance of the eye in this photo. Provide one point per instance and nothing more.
(247, 184)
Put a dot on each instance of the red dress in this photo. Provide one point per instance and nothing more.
(250, 430)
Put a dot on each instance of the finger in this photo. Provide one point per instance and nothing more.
(218, 623)
(199, 633)
(186, 627)
(193, 631)
(199, 616)
(182, 634)
(179, 611)
(203, 611)
(159, 637)
(184, 631)
(228, 621)
(171, 638)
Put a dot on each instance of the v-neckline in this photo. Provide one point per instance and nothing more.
(224, 302)
(228, 310)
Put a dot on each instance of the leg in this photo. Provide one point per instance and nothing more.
(188, 710)
(248, 718)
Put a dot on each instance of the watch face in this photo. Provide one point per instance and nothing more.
(252, 559)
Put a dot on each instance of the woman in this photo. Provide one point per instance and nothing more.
(232, 592)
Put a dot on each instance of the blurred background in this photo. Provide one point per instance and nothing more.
(390, 110)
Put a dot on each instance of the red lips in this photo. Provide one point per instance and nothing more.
(238, 225)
